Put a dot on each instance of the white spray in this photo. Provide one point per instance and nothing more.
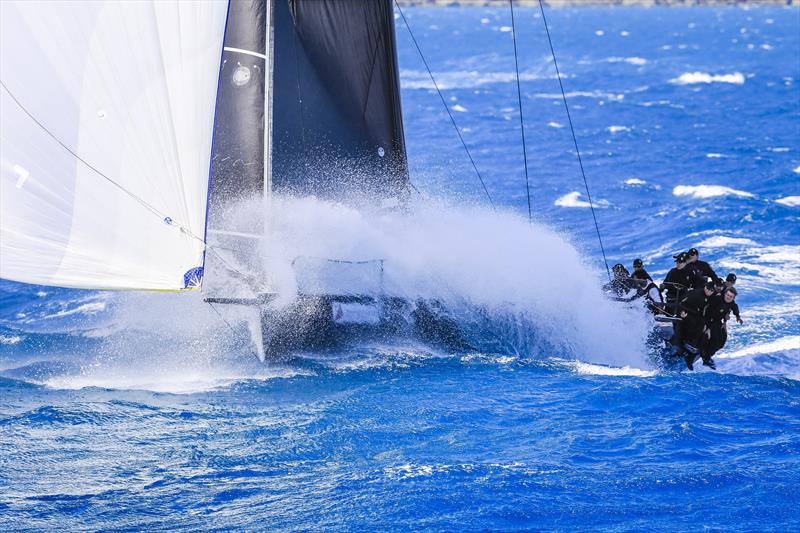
(494, 264)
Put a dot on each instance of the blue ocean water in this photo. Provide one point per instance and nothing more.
(133, 412)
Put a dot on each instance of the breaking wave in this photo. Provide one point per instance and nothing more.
(574, 199)
(466, 79)
(789, 201)
(692, 78)
(709, 191)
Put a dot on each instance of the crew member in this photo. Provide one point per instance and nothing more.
(716, 319)
(639, 272)
(678, 280)
(692, 325)
(730, 281)
(701, 267)
(621, 283)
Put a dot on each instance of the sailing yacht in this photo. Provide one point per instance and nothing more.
(134, 132)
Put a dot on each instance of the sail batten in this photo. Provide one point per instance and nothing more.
(121, 90)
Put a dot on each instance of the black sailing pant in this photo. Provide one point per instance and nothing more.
(690, 330)
(719, 335)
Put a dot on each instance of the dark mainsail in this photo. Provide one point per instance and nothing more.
(308, 104)
(237, 164)
(337, 125)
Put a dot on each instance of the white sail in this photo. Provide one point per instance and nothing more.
(128, 88)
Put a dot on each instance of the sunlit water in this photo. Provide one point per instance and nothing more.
(134, 411)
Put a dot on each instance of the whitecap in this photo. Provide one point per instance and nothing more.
(714, 155)
(585, 94)
(459, 108)
(634, 181)
(555, 125)
(796, 170)
(791, 342)
(599, 33)
(691, 78)
(724, 242)
(638, 61)
(602, 370)
(774, 264)
(709, 191)
(505, 29)
(790, 201)
(10, 339)
(467, 79)
(573, 199)
(617, 129)
(778, 149)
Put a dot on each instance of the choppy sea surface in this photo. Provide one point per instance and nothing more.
(145, 412)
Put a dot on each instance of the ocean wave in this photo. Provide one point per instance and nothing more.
(573, 199)
(634, 181)
(617, 129)
(638, 61)
(790, 343)
(10, 339)
(790, 201)
(558, 125)
(724, 242)
(714, 155)
(176, 381)
(777, 264)
(603, 370)
(709, 191)
(796, 170)
(614, 97)
(465, 79)
(778, 358)
(410, 471)
(692, 78)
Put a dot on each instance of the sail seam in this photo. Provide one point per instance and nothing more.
(243, 51)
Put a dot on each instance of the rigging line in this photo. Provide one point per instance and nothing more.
(141, 201)
(444, 103)
(230, 327)
(574, 139)
(521, 120)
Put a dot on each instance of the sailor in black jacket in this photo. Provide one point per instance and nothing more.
(690, 329)
(678, 280)
(716, 318)
(701, 267)
(730, 281)
(639, 272)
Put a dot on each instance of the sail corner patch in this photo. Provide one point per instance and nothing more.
(193, 278)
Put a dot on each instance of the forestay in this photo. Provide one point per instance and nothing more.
(128, 88)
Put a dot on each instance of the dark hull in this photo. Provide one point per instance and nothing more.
(314, 323)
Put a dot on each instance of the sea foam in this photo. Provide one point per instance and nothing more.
(709, 191)
(692, 78)
(573, 199)
(789, 201)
